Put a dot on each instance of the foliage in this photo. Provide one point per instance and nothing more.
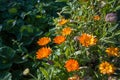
(84, 35)
(22, 22)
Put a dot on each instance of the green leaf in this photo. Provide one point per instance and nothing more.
(44, 72)
(27, 28)
(12, 10)
(117, 8)
(6, 56)
(5, 76)
(117, 33)
(61, 0)
(7, 52)
(113, 28)
(1, 27)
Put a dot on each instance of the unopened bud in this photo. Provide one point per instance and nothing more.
(111, 17)
(26, 71)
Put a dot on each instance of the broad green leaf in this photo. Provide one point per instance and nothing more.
(5, 76)
(4, 65)
(7, 52)
(1, 27)
(12, 10)
(6, 56)
(26, 28)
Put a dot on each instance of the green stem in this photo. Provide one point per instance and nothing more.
(33, 76)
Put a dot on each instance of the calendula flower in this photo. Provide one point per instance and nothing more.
(71, 65)
(112, 51)
(75, 77)
(106, 68)
(62, 21)
(59, 39)
(43, 41)
(66, 31)
(96, 17)
(43, 52)
(87, 40)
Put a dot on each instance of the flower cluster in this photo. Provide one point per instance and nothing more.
(83, 43)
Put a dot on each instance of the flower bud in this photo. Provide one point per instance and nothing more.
(111, 17)
(26, 71)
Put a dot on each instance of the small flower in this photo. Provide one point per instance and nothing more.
(62, 21)
(106, 68)
(26, 71)
(59, 39)
(111, 17)
(71, 65)
(87, 40)
(112, 51)
(43, 41)
(75, 77)
(96, 17)
(66, 31)
(43, 53)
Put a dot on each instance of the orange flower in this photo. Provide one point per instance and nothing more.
(66, 31)
(106, 68)
(71, 65)
(59, 39)
(63, 21)
(96, 18)
(43, 41)
(112, 51)
(43, 53)
(87, 40)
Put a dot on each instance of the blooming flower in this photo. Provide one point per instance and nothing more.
(59, 39)
(106, 68)
(111, 17)
(96, 18)
(43, 41)
(87, 40)
(71, 65)
(66, 31)
(43, 53)
(62, 21)
(112, 51)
